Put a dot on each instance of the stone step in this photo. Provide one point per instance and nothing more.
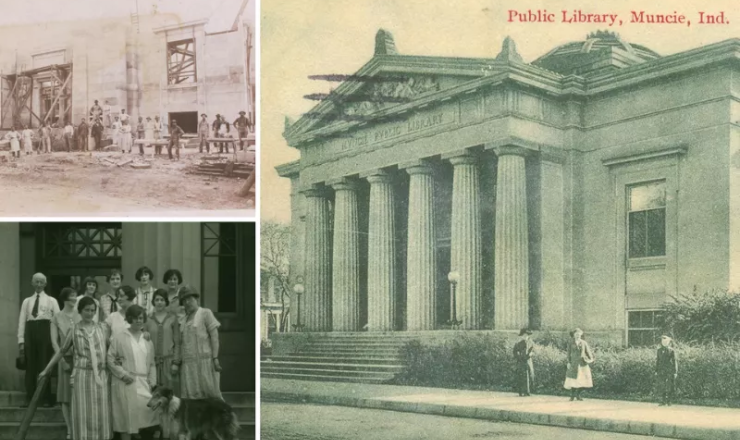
(273, 366)
(297, 376)
(364, 359)
(327, 371)
(58, 431)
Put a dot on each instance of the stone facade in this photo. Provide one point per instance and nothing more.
(527, 179)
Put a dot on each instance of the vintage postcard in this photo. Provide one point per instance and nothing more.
(128, 108)
(500, 219)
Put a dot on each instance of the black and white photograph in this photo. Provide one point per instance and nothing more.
(128, 108)
(127, 330)
(499, 220)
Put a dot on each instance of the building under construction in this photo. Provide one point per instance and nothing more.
(152, 64)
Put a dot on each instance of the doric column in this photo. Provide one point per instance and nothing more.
(381, 270)
(465, 252)
(346, 261)
(421, 265)
(512, 240)
(316, 307)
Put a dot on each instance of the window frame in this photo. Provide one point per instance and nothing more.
(186, 59)
(655, 329)
(629, 212)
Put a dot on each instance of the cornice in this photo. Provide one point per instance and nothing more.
(290, 169)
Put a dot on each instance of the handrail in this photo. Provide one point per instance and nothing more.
(40, 384)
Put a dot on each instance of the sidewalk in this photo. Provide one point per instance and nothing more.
(682, 422)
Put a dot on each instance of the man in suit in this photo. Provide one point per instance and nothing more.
(666, 371)
(524, 367)
(34, 336)
(83, 131)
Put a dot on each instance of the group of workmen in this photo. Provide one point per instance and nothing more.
(124, 134)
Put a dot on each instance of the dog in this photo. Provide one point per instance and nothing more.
(191, 419)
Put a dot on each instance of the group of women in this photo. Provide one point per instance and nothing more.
(112, 348)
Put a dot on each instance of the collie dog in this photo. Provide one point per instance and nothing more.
(202, 419)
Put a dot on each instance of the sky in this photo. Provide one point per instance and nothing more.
(39, 11)
(301, 38)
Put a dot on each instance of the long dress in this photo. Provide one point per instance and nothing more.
(524, 367)
(108, 305)
(578, 374)
(136, 358)
(144, 298)
(117, 323)
(15, 143)
(64, 324)
(165, 335)
(27, 140)
(149, 130)
(198, 378)
(125, 138)
(91, 405)
(116, 132)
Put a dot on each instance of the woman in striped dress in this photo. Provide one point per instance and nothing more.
(164, 329)
(61, 324)
(91, 403)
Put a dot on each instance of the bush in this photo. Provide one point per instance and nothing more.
(708, 375)
(712, 316)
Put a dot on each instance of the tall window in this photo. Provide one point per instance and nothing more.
(219, 266)
(643, 328)
(181, 62)
(647, 220)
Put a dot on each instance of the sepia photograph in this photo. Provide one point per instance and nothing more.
(128, 330)
(499, 220)
(128, 108)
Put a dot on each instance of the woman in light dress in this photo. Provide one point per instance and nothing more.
(109, 300)
(91, 404)
(61, 324)
(15, 142)
(199, 345)
(125, 136)
(117, 320)
(27, 134)
(131, 362)
(578, 374)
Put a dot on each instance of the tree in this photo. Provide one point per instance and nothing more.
(275, 244)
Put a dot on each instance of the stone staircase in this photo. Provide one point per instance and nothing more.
(339, 357)
(48, 423)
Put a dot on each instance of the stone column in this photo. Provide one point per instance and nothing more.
(421, 266)
(346, 261)
(466, 245)
(511, 294)
(381, 270)
(316, 300)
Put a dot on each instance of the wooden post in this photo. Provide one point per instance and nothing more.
(247, 185)
(40, 384)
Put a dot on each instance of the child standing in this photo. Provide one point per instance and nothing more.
(666, 371)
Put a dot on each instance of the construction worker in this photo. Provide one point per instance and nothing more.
(96, 112)
(83, 131)
(204, 129)
(242, 126)
(69, 133)
(97, 133)
(217, 130)
(157, 135)
(140, 129)
(15, 142)
(45, 135)
(175, 133)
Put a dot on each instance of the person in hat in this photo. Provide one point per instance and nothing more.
(175, 133)
(199, 348)
(578, 374)
(666, 370)
(204, 129)
(242, 126)
(524, 367)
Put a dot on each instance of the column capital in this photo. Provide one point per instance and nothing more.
(416, 167)
(513, 150)
(461, 158)
(379, 176)
(343, 184)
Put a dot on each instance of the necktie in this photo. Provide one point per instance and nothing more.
(35, 310)
(113, 306)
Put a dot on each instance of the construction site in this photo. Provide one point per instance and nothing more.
(63, 78)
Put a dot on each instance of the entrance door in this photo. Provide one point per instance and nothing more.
(58, 279)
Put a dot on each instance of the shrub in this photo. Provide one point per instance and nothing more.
(712, 316)
(708, 375)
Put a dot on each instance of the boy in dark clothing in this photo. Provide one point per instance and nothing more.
(666, 371)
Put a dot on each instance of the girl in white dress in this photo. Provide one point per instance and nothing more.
(27, 140)
(15, 142)
(126, 140)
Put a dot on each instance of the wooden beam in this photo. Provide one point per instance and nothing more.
(32, 113)
(10, 98)
(59, 94)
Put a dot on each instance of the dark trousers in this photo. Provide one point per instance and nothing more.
(82, 140)
(176, 144)
(666, 387)
(98, 140)
(39, 352)
(524, 378)
(141, 146)
(204, 141)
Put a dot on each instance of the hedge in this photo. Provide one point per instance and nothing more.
(708, 375)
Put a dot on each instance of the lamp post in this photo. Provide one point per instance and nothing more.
(453, 277)
(298, 289)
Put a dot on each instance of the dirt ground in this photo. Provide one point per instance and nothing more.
(92, 184)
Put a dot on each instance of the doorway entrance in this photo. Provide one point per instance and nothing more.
(188, 121)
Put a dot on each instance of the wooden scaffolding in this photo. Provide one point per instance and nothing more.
(18, 106)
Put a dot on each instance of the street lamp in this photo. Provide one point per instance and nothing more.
(453, 277)
(298, 290)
